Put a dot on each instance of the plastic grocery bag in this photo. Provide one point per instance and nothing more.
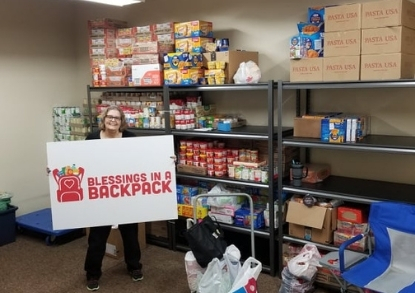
(305, 264)
(248, 72)
(216, 279)
(193, 270)
(291, 284)
(246, 280)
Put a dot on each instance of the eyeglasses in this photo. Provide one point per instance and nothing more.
(111, 118)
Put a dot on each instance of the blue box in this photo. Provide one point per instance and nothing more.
(243, 218)
(8, 225)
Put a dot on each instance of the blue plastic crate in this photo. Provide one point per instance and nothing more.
(41, 221)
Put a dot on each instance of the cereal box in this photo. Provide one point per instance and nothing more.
(194, 44)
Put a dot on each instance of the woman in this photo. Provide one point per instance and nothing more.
(112, 125)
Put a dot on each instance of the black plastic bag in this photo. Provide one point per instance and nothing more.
(206, 240)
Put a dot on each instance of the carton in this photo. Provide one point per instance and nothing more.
(307, 127)
(344, 43)
(307, 69)
(196, 28)
(352, 215)
(115, 248)
(342, 68)
(147, 75)
(342, 17)
(396, 39)
(233, 59)
(387, 66)
(388, 13)
(314, 224)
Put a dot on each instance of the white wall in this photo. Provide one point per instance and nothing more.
(45, 63)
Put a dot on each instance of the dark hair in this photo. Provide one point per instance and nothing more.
(123, 123)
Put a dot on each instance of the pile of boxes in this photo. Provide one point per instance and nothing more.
(333, 127)
(363, 41)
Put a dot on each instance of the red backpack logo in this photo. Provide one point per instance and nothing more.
(69, 183)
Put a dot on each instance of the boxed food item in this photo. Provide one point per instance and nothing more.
(341, 68)
(192, 45)
(311, 39)
(306, 69)
(342, 18)
(388, 13)
(232, 59)
(397, 39)
(187, 211)
(182, 60)
(163, 28)
(311, 223)
(387, 66)
(360, 245)
(147, 75)
(333, 130)
(196, 28)
(183, 76)
(352, 214)
(243, 218)
(151, 47)
(343, 43)
(351, 228)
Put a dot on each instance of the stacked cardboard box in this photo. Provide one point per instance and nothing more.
(388, 39)
(342, 43)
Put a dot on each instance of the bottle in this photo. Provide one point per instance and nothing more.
(266, 216)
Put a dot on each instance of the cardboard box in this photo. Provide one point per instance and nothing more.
(157, 229)
(314, 224)
(187, 211)
(342, 68)
(342, 18)
(324, 276)
(388, 13)
(344, 43)
(307, 69)
(307, 127)
(382, 40)
(360, 245)
(233, 59)
(387, 66)
(115, 248)
(147, 75)
(351, 214)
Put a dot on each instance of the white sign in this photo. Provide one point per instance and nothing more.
(112, 181)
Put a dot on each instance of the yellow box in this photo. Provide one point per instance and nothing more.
(187, 211)
(182, 76)
(195, 28)
(192, 45)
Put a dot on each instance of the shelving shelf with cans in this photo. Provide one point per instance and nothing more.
(353, 190)
(267, 133)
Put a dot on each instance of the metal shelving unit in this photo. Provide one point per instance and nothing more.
(266, 133)
(344, 188)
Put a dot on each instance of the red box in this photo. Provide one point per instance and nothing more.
(353, 215)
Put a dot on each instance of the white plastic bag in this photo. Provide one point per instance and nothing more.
(245, 281)
(216, 278)
(220, 274)
(248, 72)
(193, 270)
(304, 265)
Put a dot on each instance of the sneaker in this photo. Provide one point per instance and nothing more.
(136, 275)
(92, 285)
